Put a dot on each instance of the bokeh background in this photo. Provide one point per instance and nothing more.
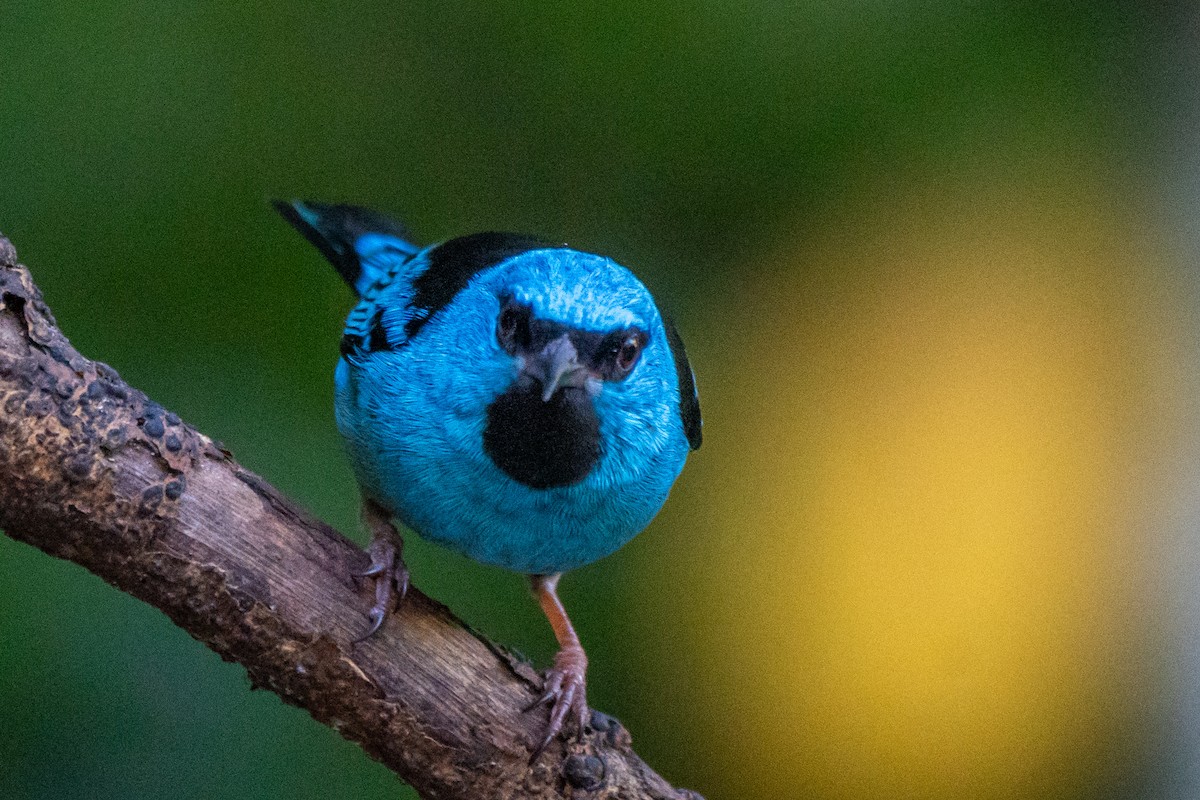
(935, 265)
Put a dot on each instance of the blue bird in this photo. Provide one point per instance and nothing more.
(521, 402)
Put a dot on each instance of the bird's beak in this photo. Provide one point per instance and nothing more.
(555, 367)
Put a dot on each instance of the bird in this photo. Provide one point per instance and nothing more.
(513, 399)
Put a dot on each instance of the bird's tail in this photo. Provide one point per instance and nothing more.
(360, 243)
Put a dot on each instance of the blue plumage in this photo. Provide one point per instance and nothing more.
(516, 400)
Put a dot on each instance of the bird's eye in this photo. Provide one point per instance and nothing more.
(512, 326)
(626, 355)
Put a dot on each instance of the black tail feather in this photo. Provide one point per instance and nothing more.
(333, 229)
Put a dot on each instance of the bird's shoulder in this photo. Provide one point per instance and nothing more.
(408, 290)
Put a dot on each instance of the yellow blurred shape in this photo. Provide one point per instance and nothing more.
(926, 461)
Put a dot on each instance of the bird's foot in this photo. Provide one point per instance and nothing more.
(564, 691)
(390, 574)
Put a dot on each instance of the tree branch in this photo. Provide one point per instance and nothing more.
(93, 471)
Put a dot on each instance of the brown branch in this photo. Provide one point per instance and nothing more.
(95, 472)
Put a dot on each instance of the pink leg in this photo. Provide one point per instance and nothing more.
(565, 682)
(387, 565)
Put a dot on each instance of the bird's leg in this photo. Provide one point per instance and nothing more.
(387, 564)
(564, 687)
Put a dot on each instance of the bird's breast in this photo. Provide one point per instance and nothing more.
(543, 443)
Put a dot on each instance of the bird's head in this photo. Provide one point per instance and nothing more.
(590, 372)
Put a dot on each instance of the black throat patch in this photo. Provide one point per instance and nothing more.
(543, 444)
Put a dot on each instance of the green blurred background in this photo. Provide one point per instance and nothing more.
(943, 327)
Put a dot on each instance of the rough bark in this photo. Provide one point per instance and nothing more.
(93, 471)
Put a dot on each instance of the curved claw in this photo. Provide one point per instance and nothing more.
(400, 579)
(373, 571)
(377, 615)
(391, 586)
(558, 713)
(553, 687)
